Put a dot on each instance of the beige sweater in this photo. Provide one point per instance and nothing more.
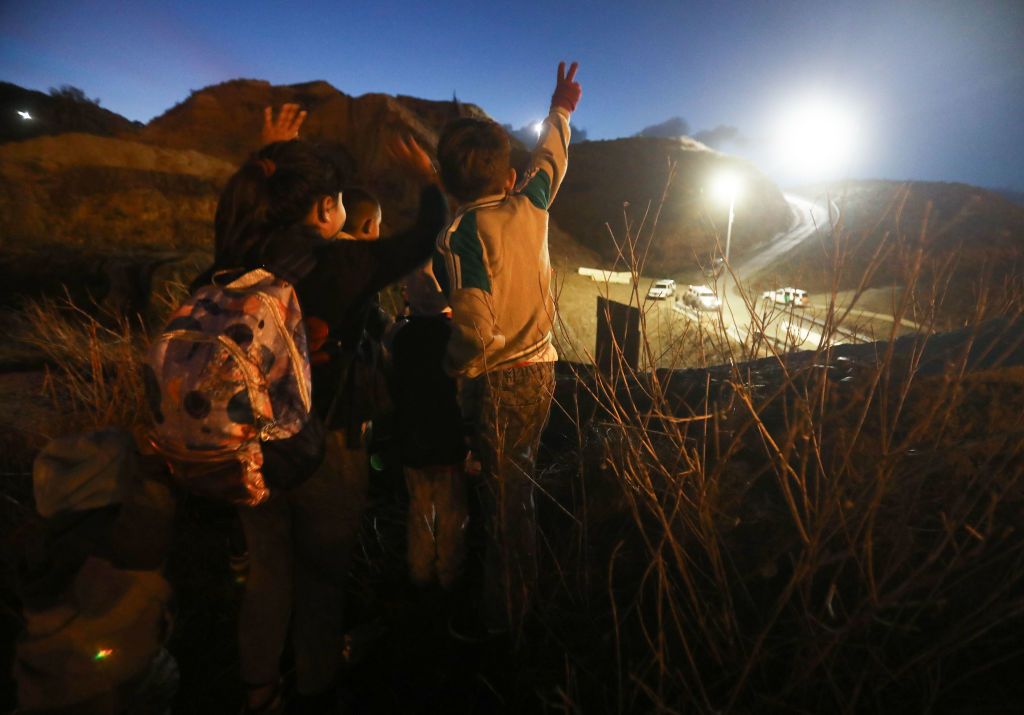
(492, 261)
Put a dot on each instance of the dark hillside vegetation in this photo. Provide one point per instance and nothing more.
(57, 113)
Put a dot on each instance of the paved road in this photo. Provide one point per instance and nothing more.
(742, 309)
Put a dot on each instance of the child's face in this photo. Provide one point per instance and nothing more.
(369, 228)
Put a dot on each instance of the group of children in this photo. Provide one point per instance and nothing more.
(474, 348)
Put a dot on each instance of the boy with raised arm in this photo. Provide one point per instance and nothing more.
(492, 261)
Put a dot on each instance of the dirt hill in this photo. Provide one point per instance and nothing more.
(612, 183)
(223, 121)
(81, 189)
(59, 114)
(964, 237)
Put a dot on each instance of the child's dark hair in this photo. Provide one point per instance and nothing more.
(474, 158)
(357, 202)
(273, 190)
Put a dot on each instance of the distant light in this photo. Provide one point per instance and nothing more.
(817, 136)
(24, 115)
(538, 128)
(726, 186)
(103, 654)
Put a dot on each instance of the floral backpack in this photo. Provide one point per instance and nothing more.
(229, 371)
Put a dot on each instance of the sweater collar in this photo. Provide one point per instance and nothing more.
(489, 199)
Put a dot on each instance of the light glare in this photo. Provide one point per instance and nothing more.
(817, 136)
(726, 186)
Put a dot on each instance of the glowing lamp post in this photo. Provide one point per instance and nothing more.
(727, 187)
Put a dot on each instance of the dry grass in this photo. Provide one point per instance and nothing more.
(92, 361)
(774, 537)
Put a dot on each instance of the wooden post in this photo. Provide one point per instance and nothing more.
(618, 336)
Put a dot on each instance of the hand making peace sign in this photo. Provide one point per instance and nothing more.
(567, 89)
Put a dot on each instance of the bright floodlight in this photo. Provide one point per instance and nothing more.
(726, 186)
(24, 115)
(817, 136)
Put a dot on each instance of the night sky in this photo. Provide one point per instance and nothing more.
(935, 90)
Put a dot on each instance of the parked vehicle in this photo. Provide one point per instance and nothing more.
(665, 288)
(701, 298)
(787, 296)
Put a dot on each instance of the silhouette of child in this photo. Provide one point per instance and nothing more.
(492, 262)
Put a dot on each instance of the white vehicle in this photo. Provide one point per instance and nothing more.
(701, 298)
(665, 288)
(787, 297)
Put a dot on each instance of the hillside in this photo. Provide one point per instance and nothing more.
(55, 115)
(612, 182)
(110, 191)
(964, 237)
(224, 121)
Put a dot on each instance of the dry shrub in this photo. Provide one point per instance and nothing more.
(837, 530)
(93, 360)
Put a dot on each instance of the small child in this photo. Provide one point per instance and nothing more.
(429, 432)
(492, 261)
(362, 215)
(95, 604)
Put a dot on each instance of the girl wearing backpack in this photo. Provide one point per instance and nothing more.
(280, 211)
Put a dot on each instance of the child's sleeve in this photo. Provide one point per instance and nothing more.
(461, 269)
(550, 158)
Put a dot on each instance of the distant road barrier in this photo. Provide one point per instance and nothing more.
(623, 277)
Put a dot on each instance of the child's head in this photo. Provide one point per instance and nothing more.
(282, 185)
(363, 215)
(474, 159)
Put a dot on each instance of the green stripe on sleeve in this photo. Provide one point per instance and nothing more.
(538, 190)
(469, 255)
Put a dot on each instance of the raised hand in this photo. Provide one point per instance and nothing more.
(285, 127)
(567, 89)
(410, 157)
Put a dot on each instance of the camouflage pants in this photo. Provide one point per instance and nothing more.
(510, 410)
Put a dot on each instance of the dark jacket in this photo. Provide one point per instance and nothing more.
(427, 418)
(333, 279)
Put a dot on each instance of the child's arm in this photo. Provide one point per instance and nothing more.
(395, 256)
(550, 157)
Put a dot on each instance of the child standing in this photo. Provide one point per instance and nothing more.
(428, 427)
(493, 263)
(282, 211)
